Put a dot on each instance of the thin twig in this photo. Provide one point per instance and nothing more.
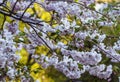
(27, 8)
(3, 2)
(42, 39)
(102, 50)
(94, 11)
(13, 7)
(23, 19)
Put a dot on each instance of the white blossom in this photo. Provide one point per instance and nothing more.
(100, 71)
(87, 46)
(100, 6)
(11, 73)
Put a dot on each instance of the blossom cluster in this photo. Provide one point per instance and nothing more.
(74, 39)
(8, 57)
(100, 71)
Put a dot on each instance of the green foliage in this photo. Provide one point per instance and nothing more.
(55, 75)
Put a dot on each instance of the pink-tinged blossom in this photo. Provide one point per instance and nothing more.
(93, 35)
(1, 1)
(86, 47)
(3, 61)
(100, 71)
(85, 58)
(79, 44)
(13, 27)
(81, 35)
(117, 45)
(11, 73)
(69, 67)
(8, 55)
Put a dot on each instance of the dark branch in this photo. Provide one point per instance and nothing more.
(23, 19)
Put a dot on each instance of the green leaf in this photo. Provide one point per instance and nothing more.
(1, 20)
(21, 26)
